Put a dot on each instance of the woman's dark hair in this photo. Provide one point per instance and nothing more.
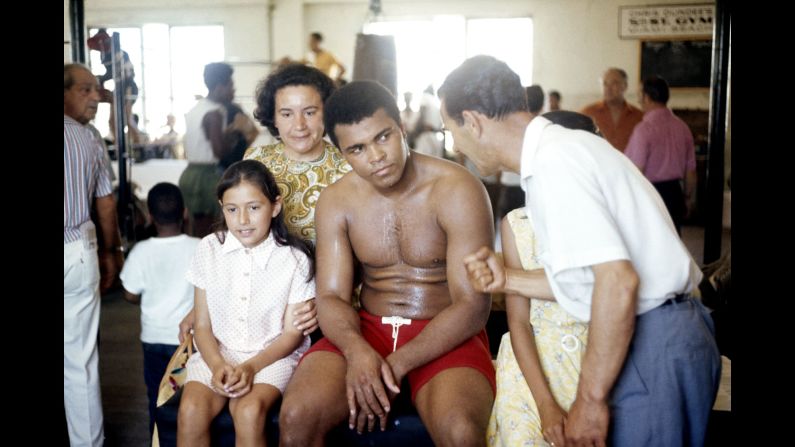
(257, 174)
(291, 74)
(572, 120)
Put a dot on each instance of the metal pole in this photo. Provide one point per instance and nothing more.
(713, 223)
(77, 25)
(124, 206)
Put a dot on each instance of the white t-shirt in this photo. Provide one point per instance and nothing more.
(591, 205)
(198, 148)
(156, 270)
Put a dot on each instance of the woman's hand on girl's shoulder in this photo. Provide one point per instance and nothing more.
(305, 317)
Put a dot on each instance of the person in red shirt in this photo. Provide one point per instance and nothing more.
(615, 117)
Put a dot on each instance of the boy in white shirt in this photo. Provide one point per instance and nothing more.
(154, 277)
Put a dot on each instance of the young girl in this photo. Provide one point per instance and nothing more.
(538, 366)
(249, 277)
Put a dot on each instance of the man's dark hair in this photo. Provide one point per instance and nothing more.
(165, 203)
(317, 36)
(483, 84)
(572, 120)
(535, 98)
(291, 74)
(355, 102)
(656, 89)
(554, 93)
(217, 73)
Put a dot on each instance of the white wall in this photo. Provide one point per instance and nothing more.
(575, 40)
(67, 34)
(245, 30)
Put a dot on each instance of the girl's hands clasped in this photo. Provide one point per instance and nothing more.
(233, 381)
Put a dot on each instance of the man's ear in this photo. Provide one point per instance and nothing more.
(473, 122)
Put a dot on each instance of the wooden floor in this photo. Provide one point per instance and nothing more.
(121, 360)
(121, 373)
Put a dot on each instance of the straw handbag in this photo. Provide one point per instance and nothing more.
(174, 378)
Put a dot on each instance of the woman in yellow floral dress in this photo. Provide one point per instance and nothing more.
(290, 104)
(541, 353)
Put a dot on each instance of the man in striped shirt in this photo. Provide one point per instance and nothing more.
(85, 178)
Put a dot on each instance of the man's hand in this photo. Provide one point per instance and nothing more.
(105, 95)
(393, 375)
(690, 206)
(367, 398)
(587, 423)
(305, 319)
(485, 271)
(186, 325)
(110, 263)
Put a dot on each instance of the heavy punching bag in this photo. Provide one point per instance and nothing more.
(375, 60)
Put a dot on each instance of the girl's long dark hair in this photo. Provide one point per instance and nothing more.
(256, 173)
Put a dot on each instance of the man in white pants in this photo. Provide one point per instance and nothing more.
(85, 178)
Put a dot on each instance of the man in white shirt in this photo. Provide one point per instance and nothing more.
(611, 256)
(204, 147)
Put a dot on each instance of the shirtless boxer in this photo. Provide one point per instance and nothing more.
(409, 219)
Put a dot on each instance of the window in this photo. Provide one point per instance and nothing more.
(192, 47)
(169, 63)
(510, 40)
(130, 39)
(428, 50)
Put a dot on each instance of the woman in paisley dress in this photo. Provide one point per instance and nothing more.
(290, 104)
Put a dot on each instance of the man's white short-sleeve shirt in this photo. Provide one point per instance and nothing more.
(591, 205)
